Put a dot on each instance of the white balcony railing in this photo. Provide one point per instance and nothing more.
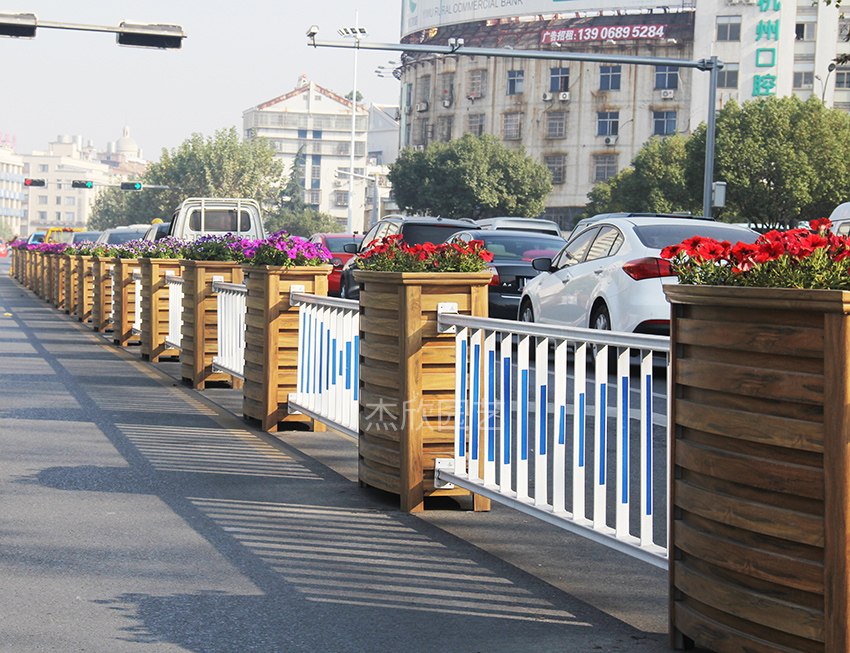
(231, 329)
(174, 284)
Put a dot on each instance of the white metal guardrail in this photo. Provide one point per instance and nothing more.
(328, 355)
(573, 442)
(231, 329)
(137, 297)
(174, 284)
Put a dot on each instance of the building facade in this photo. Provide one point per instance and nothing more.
(12, 195)
(315, 123)
(586, 121)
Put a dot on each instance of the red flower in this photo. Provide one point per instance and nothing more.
(821, 225)
(671, 251)
(712, 250)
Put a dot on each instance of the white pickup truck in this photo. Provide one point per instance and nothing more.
(205, 216)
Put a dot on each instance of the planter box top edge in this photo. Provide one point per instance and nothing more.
(439, 278)
(827, 301)
(301, 269)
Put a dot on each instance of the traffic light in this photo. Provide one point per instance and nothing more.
(131, 185)
(34, 182)
(82, 184)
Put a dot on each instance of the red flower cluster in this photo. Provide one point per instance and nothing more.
(796, 243)
(392, 254)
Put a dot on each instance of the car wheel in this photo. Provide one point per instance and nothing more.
(526, 312)
(600, 319)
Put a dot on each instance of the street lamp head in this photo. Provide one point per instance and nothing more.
(311, 33)
(831, 67)
(353, 32)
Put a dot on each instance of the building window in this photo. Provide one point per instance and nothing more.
(805, 31)
(446, 124)
(556, 124)
(42, 199)
(42, 215)
(302, 133)
(842, 79)
(477, 83)
(559, 80)
(728, 28)
(727, 77)
(341, 198)
(609, 78)
(557, 165)
(314, 197)
(512, 126)
(663, 123)
(70, 201)
(43, 167)
(69, 217)
(604, 167)
(666, 77)
(424, 88)
(607, 123)
(407, 132)
(427, 134)
(58, 216)
(515, 81)
(58, 200)
(447, 87)
(475, 123)
(803, 80)
(843, 29)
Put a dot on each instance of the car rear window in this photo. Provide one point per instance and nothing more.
(336, 245)
(659, 236)
(519, 248)
(119, 237)
(417, 233)
(223, 220)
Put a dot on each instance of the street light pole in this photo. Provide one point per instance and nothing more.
(357, 33)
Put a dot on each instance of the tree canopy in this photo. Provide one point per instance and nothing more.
(470, 177)
(783, 160)
(220, 166)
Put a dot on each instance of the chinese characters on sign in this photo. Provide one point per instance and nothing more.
(612, 32)
(767, 30)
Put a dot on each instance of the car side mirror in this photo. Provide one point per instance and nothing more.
(350, 248)
(543, 264)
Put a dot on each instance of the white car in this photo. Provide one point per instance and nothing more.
(610, 274)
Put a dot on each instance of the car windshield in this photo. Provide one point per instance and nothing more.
(659, 236)
(335, 244)
(118, 237)
(86, 236)
(521, 248)
(418, 233)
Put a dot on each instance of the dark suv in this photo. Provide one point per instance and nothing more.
(415, 231)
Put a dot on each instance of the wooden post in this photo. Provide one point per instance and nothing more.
(124, 296)
(155, 307)
(102, 292)
(70, 283)
(85, 288)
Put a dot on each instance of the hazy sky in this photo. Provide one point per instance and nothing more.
(236, 55)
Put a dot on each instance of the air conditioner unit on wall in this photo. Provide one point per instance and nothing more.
(564, 96)
(447, 102)
(548, 97)
(408, 110)
(421, 106)
(668, 94)
(611, 140)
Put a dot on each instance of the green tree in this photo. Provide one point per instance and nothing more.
(470, 177)
(783, 160)
(223, 165)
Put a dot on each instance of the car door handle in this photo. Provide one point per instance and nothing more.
(599, 271)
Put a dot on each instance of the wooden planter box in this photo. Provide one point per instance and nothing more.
(199, 339)
(155, 307)
(70, 263)
(61, 272)
(51, 270)
(407, 378)
(271, 340)
(101, 312)
(124, 300)
(40, 274)
(760, 527)
(85, 288)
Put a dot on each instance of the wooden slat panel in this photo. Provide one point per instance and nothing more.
(380, 480)
(380, 450)
(370, 350)
(783, 432)
(758, 472)
(767, 338)
(779, 385)
(760, 609)
(770, 520)
(755, 360)
(370, 325)
(757, 562)
(379, 300)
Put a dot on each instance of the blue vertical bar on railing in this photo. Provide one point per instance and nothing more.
(476, 401)
(310, 350)
(348, 367)
(624, 437)
(491, 407)
(581, 426)
(648, 436)
(462, 413)
(321, 339)
(542, 422)
(328, 361)
(356, 366)
(303, 351)
(506, 409)
(562, 425)
(524, 417)
(333, 366)
(602, 409)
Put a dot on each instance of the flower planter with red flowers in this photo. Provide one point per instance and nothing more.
(760, 418)
(407, 369)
